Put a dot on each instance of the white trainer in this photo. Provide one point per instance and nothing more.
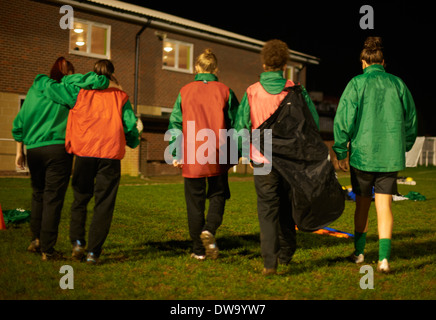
(383, 266)
(198, 257)
(357, 259)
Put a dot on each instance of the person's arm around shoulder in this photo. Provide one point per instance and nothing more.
(67, 91)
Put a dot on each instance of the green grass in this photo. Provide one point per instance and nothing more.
(146, 255)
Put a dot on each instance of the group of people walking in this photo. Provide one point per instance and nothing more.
(64, 114)
(68, 114)
(374, 126)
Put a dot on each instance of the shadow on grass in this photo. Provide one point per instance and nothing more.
(406, 245)
(246, 245)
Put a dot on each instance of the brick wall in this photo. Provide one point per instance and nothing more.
(31, 40)
(9, 105)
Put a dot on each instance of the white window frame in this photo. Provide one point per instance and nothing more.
(88, 53)
(176, 56)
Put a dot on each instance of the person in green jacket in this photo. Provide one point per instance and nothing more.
(376, 123)
(40, 125)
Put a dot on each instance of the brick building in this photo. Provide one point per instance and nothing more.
(153, 54)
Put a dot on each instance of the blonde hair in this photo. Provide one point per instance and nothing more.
(207, 62)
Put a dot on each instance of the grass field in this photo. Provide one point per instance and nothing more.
(147, 253)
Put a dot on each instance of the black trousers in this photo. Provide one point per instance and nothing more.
(99, 177)
(218, 192)
(277, 227)
(50, 170)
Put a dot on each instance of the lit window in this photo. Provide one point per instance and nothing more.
(90, 39)
(290, 73)
(177, 56)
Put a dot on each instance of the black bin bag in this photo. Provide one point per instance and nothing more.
(301, 157)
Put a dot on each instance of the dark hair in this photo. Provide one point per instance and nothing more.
(105, 67)
(61, 68)
(275, 55)
(372, 51)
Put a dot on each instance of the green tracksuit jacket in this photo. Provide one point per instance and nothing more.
(43, 117)
(377, 116)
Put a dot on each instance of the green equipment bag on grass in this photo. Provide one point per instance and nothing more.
(16, 216)
(416, 196)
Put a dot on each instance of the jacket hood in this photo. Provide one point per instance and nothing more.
(273, 81)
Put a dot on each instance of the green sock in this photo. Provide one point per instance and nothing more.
(359, 242)
(384, 250)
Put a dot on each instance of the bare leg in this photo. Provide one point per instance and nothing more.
(385, 219)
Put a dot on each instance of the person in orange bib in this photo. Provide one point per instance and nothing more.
(99, 126)
(204, 105)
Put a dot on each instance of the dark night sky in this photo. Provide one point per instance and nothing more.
(331, 31)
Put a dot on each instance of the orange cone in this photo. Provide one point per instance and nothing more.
(2, 220)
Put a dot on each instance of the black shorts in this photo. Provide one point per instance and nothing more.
(363, 181)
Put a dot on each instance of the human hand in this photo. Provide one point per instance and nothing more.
(139, 125)
(19, 161)
(19, 158)
(344, 165)
(177, 164)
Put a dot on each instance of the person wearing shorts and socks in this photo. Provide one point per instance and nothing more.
(376, 116)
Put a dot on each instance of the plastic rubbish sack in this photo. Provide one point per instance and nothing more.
(300, 156)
